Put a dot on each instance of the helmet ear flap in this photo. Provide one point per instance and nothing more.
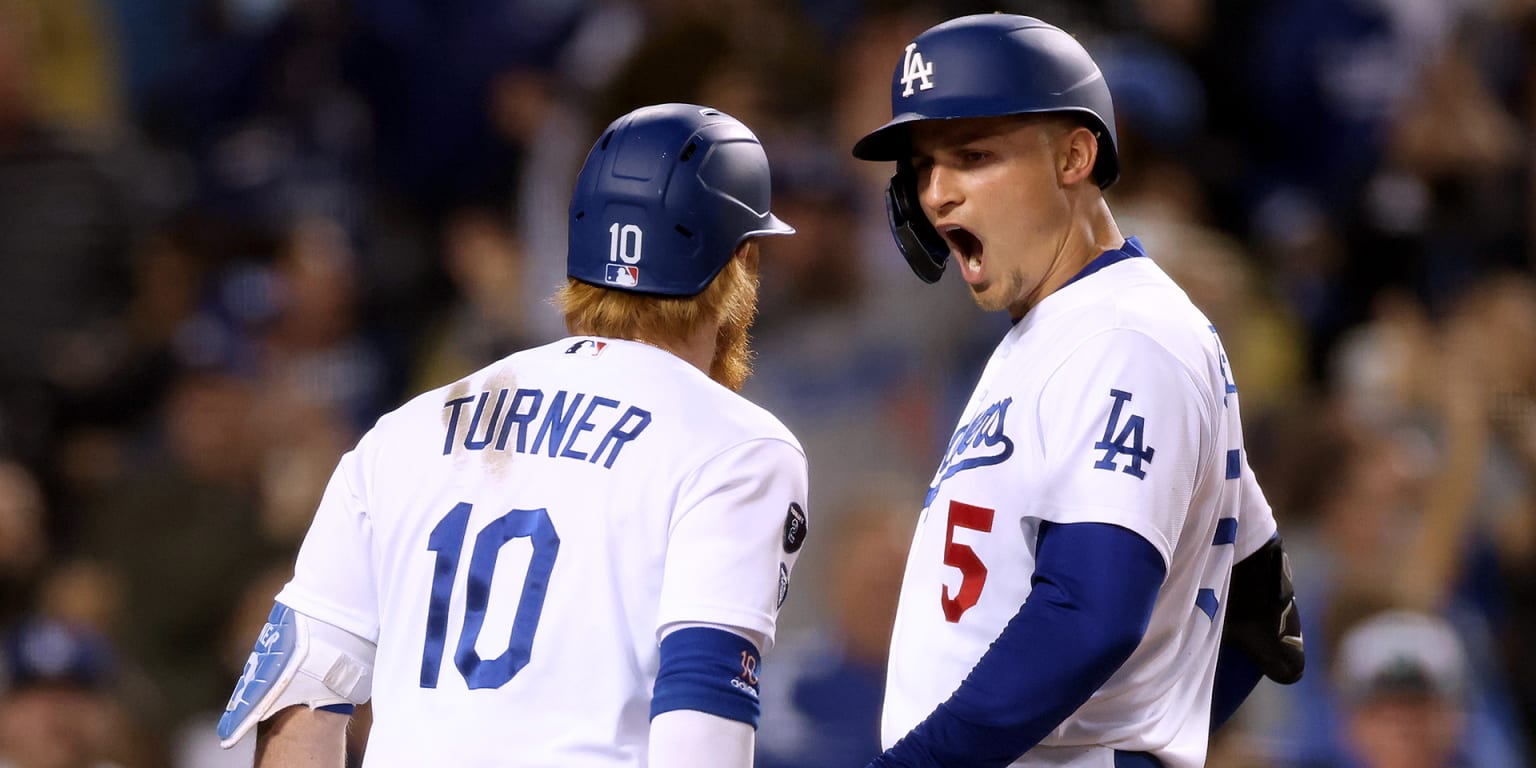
(922, 246)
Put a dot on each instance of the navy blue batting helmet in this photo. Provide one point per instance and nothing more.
(994, 64)
(666, 195)
(985, 65)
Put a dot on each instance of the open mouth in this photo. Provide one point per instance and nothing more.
(965, 245)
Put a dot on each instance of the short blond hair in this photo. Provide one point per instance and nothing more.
(730, 298)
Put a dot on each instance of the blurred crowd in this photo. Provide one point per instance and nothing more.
(235, 232)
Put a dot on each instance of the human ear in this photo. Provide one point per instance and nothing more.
(1079, 150)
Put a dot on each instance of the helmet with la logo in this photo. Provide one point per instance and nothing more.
(665, 196)
(994, 64)
(986, 65)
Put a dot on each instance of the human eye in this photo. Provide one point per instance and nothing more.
(971, 156)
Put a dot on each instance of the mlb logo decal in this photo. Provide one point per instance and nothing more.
(622, 274)
(587, 348)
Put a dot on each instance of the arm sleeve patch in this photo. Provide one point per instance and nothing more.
(708, 670)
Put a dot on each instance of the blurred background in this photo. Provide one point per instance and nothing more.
(235, 232)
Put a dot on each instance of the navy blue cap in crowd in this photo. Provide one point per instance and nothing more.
(40, 652)
(666, 195)
(989, 65)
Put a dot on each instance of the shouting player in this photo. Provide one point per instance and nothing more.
(576, 555)
(1071, 583)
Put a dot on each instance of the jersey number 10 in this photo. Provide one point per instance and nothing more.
(447, 540)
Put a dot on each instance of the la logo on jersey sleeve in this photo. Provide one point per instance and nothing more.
(1124, 435)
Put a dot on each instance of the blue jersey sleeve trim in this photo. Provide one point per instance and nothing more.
(1207, 602)
(1093, 591)
(708, 670)
(1226, 531)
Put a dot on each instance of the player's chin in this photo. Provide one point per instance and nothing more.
(989, 300)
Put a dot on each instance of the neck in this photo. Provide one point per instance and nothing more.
(1099, 231)
(1089, 232)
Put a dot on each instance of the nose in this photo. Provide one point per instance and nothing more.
(939, 190)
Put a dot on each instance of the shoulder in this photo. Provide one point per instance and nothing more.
(426, 408)
(1120, 350)
(704, 415)
(1141, 291)
(713, 416)
(1135, 303)
(430, 411)
(736, 419)
(1164, 349)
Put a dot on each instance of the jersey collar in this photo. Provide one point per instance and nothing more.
(1131, 250)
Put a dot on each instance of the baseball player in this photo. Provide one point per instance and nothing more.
(576, 555)
(1071, 583)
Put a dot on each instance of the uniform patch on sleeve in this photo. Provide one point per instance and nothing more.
(783, 583)
(795, 528)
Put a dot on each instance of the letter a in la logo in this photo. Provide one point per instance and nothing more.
(915, 71)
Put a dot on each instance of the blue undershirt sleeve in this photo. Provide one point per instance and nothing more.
(1236, 677)
(1091, 597)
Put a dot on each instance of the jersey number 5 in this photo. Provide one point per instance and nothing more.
(447, 540)
(973, 573)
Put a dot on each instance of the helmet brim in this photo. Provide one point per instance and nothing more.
(891, 141)
(773, 225)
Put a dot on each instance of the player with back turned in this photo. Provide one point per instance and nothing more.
(576, 555)
(1094, 539)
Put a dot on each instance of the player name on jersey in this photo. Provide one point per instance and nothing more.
(570, 425)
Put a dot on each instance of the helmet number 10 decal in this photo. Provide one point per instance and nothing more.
(624, 243)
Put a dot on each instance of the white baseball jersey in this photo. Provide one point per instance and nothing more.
(1109, 402)
(516, 542)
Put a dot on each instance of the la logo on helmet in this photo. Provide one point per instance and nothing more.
(915, 70)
